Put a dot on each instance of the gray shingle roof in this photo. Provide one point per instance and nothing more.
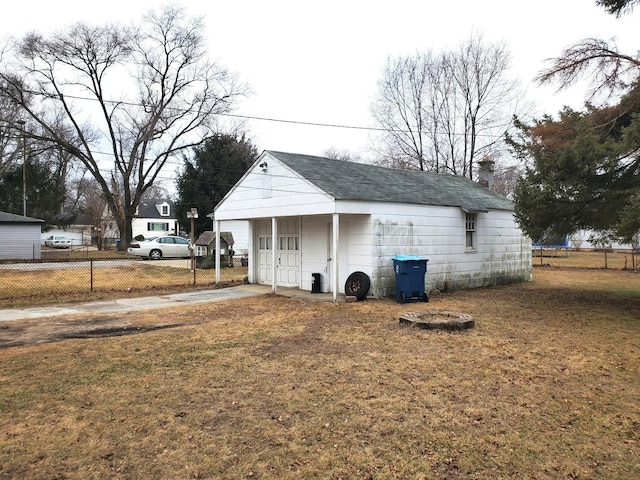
(356, 181)
(12, 218)
(147, 208)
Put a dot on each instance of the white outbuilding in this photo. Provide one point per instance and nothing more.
(19, 237)
(314, 218)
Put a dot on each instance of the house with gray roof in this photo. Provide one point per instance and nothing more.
(155, 217)
(317, 218)
(19, 237)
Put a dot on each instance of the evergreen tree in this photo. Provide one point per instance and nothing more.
(585, 172)
(207, 177)
(45, 193)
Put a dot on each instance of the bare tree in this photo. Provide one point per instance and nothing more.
(10, 117)
(10, 140)
(132, 98)
(94, 205)
(399, 110)
(341, 154)
(506, 178)
(156, 191)
(441, 112)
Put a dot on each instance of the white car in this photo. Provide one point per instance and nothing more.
(57, 241)
(155, 248)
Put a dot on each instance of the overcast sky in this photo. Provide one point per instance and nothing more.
(319, 61)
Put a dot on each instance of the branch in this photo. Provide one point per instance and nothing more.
(609, 69)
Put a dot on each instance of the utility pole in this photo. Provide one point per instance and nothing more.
(24, 168)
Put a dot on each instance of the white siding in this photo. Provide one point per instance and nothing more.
(240, 231)
(354, 249)
(20, 241)
(502, 255)
(315, 237)
(139, 227)
(276, 192)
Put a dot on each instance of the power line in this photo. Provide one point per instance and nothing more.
(286, 121)
(301, 122)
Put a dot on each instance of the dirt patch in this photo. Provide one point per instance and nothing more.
(46, 330)
(118, 330)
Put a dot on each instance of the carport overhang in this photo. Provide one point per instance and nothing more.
(335, 253)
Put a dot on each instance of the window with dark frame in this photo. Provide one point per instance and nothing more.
(470, 227)
(157, 227)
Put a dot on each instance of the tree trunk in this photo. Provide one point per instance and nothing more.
(126, 232)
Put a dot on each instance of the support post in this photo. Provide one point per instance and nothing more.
(274, 246)
(334, 264)
(217, 254)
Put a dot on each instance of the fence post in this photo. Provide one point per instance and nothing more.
(91, 275)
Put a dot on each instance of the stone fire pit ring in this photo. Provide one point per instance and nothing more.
(437, 320)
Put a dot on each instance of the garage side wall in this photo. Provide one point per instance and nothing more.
(20, 241)
(501, 253)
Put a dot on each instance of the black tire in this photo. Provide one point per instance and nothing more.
(425, 297)
(357, 285)
(155, 254)
(403, 298)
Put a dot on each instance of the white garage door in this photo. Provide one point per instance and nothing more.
(287, 252)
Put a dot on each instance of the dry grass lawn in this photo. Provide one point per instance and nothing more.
(545, 386)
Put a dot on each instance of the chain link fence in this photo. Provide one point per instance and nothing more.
(63, 274)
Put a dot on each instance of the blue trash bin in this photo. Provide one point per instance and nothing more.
(410, 271)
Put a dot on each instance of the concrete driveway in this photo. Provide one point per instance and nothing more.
(123, 305)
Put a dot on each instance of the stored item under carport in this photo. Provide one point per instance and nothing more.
(315, 285)
(357, 285)
(410, 271)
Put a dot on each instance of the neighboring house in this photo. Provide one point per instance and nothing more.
(155, 217)
(312, 215)
(79, 232)
(580, 241)
(19, 237)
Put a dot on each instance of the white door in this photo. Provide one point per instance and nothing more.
(287, 252)
(263, 242)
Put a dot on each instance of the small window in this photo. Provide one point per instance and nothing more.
(265, 243)
(165, 210)
(470, 227)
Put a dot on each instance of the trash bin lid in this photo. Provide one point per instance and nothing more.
(406, 258)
